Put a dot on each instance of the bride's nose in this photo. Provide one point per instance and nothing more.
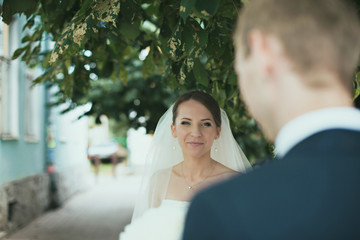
(195, 131)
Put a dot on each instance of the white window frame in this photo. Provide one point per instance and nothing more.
(9, 120)
(32, 105)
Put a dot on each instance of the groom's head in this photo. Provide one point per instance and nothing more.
(293, 45)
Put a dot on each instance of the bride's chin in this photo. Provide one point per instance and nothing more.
(197, 153)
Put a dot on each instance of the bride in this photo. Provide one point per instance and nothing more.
(192, 148)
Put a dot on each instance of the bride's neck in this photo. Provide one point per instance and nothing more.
(197, 167)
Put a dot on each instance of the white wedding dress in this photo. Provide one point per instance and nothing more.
(164, 222)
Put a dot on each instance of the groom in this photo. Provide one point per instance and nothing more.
(295, 61)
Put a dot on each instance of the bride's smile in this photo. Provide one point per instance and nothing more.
(195, 144)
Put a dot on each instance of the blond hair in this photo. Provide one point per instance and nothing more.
(315, 34)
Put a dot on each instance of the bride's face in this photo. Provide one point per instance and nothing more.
(195, 129)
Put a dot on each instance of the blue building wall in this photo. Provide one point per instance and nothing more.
(21, 157)
(25, 184)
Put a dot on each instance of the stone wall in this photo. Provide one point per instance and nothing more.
(22, 200)
(3, 209)
(72, 181)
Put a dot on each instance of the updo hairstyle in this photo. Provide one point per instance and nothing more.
(205, 99)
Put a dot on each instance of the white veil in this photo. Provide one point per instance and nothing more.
(165, 152)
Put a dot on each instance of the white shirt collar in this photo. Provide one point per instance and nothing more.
(310, 123)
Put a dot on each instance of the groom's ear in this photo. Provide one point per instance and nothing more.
(173, 132)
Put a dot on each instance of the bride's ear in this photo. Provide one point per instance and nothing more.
(218, 132)
(173, 131)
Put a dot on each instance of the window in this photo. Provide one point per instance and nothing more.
(9, 82)
(32, 107)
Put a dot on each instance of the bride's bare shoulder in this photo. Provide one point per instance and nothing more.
(222, 171)
(161, 172)
(166, 171)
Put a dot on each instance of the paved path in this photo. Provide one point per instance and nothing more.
(97, 214)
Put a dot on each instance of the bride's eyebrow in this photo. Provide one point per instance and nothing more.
(189, 119)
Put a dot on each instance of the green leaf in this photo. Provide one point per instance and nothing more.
(200, 73)
(172, 82)
(84, 7)
(215, 47)
(175, 43)
(130, 30)
(11, 7)
(18, 52)
(186, 8)
(207, 8)
(222, 97)
(30, 23)
(148, 66)
(67, 63)
(129, 10)
(45, 62)
(229, 9)
(123, 74)
(203, 37)
(42, 78)
(357, 93)
(68, 85)
(357, 85)
(25, 39)
(35, 52)
(232, 79)
(188, 36)
(153, 9)
(183, 74)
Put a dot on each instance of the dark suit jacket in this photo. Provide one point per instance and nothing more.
(313, 192)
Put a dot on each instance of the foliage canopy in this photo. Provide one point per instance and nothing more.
(129, 56)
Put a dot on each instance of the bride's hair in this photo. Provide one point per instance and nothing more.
(205, 99)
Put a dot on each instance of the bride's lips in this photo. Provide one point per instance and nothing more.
(195, 144)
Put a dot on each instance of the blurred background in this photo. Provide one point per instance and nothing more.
(82, 86)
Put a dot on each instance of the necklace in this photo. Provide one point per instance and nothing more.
(189, 186)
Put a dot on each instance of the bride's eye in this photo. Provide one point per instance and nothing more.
(185, 123)
(206, 124)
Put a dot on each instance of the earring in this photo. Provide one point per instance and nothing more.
(215, 146)
(174, 142)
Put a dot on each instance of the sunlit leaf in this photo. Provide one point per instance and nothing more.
(175, 42)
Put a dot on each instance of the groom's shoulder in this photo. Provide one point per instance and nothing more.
(239, 184)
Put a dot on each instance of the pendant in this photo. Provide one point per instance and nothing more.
(189, 187)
